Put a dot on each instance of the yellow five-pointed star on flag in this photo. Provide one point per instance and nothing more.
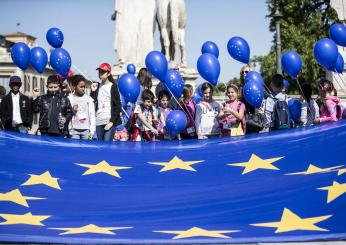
(256, 162)
(334, 191)
(198, 232)
(292, 222)
(25, 219)
(312, 169)
(17, 197)
(176, 163)
(44, 179)
(91, 228)
(102, 167)
(341, 171)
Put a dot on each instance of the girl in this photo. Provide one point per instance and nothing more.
(189, 108)
(107, 104)
(144, 119)
(144, 78)
(232, 114)
(162, 113)
(310, 111)
(207, 112)
(330, 109)
(82, 125)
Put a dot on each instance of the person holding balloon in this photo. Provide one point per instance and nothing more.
(107, 104)
(232, 118)
(162, 113)
(207, 114)
(189, 108)
(310, 111)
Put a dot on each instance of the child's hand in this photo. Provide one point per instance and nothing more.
(36, 92)
(317, 121)
(154, 131)
(155, 121)
(75, 108)
(90, 136)
(108, 126)
(62, 120)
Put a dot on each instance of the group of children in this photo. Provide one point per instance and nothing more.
(66, 110)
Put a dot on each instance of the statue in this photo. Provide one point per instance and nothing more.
(171, 18)
(339, 7)
(134, 31)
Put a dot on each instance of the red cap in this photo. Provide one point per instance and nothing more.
(104, 67)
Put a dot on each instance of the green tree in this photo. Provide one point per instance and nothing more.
(303, 23)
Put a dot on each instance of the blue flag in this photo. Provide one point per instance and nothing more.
(282, 186)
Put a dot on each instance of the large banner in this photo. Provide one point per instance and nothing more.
(275, 187)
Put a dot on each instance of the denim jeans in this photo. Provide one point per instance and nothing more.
(102, 134)
(80, 134)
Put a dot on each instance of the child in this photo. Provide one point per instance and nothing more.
(144, 78)
(232, 113)
(107, 104)
(330, 109)
(310, 111)
(55, 110)
(144, 119)
(207, 112)
(162, 113)
(15, 109)
(276, 107)
(82, 125)
(189, 108)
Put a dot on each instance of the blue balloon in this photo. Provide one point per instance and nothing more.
(131, 69)
(210, 47)
(129, 87)
(20, 54)
(253, 93)
(286, 84)
(339, 64)
(61, 61)
(157, 64)
(326, 53)
(55, 37)
(295, 108)
(176, 122)
(208, 67)
(39, 59)
(239, 49)
(337, 32)
(291, 63)
(197, 98)
(174, 83)
(254, 77)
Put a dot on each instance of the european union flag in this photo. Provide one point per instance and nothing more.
(282, 186)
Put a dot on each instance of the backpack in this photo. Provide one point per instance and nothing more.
(281, 115)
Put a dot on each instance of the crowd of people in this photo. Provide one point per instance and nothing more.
(67, 110)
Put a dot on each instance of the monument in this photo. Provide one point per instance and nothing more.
(339, 80)
(134, 34)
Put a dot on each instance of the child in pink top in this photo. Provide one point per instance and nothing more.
(189, 108)
(162, 113)
(232, 116)
(329, 109)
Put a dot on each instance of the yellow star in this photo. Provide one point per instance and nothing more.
(341, 171)
(195, 231)
(17, 197)
(44, 179)
(91, 228)
(25, 219)
(334, 191)
(102, 167)
(312, 169)
(176, 163)
(256, 162)
(292, 222)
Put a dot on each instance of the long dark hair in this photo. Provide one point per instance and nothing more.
(144, 78)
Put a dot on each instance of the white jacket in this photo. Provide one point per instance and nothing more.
(206, 119)
(91, 112)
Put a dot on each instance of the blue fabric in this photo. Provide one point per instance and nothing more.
(214, 197)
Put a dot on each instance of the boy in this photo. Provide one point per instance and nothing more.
(276, 107)
(55, 110)
(15, 108)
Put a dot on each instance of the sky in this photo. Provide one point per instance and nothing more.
(89, 31)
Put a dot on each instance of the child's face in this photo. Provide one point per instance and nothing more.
(147, 103)
(80, 88)
(15, 87)
(207, 94)
(53, 88)
(232, 94)
(164, 102)
(103, 75)
(189, 95)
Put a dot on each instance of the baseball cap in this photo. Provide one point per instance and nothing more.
(104, 67)
(15, 79)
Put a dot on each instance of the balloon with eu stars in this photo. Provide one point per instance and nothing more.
(239, 49)
(176, 122)
(157, 64)
(337, 32)
(61, 61)
(174, 83)
(131, 69)
(55, 37)
(253, 93)
(326, 53)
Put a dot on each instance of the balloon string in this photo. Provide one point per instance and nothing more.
(301, 91)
